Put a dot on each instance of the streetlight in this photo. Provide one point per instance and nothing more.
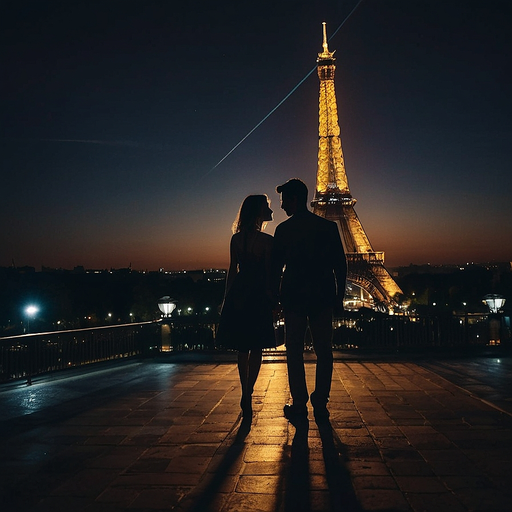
(31, 311)
(494, 302)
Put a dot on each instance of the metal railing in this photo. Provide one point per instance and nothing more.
(417, 332)
(25, 356)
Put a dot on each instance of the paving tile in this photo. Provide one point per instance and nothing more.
(385, 432)
(368, 468)
(159, 452)
(318, 500)
(443, 502)
(250, 503)
(186, 464)
(199, 450)
(382, 500)
(206, 437)
(451, 454)
(257, 453)
(149, 465)
(158, 498)
(483, 500)
(258, 484)
(213, 502)
(430, 441)
(230, 463)
(61, 503)
(88, 482)
(318, 482)
(143, 480)
(374, 482)
(262, 468)
(457, 482)
(141, 440)
(406, 454)
(122, 497)
(420, 484)
(394, 443)
(410, 467)
(105, 440)
(453, 467)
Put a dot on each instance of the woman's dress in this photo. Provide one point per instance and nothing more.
(246, 321)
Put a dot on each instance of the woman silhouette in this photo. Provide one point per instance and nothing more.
(246, 319)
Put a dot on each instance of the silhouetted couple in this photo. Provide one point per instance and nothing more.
(302, 269)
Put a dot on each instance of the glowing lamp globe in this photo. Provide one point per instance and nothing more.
(494, 302)
(31, 310)
(166, 305)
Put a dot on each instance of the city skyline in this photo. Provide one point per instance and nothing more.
(116, 116)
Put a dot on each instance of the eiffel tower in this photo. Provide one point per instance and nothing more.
(368, 282)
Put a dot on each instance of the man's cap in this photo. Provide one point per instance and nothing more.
(293, 187)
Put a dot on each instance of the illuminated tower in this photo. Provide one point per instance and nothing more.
(369, 283)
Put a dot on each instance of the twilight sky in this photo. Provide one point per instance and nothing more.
(114, 115)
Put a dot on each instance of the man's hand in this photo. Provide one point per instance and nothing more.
(338, 306)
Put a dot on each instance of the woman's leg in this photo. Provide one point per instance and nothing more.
(243, 372)
(255, 357)
(249, 365)
(243, 369)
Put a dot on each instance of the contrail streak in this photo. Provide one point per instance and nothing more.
(281, 102)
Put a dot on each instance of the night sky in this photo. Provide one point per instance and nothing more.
(114, 115)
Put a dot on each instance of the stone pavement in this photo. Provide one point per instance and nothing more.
(162, 436)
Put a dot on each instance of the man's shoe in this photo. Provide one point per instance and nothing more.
(295, 412)
(319, 408)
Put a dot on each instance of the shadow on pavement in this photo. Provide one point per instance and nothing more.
(203, 501)
(297, 486)
(341, 492)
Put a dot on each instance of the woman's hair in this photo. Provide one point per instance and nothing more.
(249, 215)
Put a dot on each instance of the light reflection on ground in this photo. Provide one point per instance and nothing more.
(489, 378)
(50, 391)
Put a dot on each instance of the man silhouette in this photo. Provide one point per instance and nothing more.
(310, 270)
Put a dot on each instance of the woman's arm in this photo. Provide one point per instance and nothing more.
(269, 243)
(233, 266)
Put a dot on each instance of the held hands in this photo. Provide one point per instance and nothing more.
(338, 306)
(274, 301)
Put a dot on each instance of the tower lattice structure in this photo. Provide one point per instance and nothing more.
(368, 281)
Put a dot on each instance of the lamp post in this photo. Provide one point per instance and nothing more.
(30, 311)
(166, 305)
(494, 303)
